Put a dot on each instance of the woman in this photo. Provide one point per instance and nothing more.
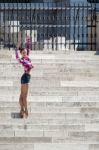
(25, 79)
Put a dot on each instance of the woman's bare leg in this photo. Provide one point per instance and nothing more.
(21, 105)
(21, 102)
(24, 98)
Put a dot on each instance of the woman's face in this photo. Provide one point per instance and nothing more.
(24, 53)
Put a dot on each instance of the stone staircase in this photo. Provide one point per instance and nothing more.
(63, 102)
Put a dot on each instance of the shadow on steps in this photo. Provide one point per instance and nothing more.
(15, 115)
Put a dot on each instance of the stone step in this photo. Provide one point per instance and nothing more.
(41, 54)
(54, 59)
(44, 69)
(48, 110)
(61, 56)
(44, 115)
(59, 69)
(53, 109)
(64, 60)
(54, 63)
(72, 73)
(79, 83)
(52, 92)
(84, 136)
(49, 51)
(69, 97)
(51, 83)
(53, 80)
(81, 97)
(55, 91)
(51, 115)
(52, 54)
(74, 137)
(64, 86)
(32, 96)
(48, 105)
(51, 134)
(49, 146)
(51, 76)
(90, 124)
(58, 52)
(17, 146)
(48, 73)
(69, 61)
(44, 75)
(21, 140)
(41, 127)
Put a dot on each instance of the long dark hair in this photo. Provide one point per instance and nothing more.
(21, 49)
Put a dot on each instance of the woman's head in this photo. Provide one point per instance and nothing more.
(23, 52)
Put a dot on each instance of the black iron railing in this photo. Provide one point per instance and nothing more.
(56, 26)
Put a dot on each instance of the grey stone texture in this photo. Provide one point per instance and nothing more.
(63, 102)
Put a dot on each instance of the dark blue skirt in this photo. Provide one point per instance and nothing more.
(25, 78)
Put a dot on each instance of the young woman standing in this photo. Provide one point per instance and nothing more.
(25, 79)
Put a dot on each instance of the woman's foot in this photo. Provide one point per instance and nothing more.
(26, 113)
(22, 113)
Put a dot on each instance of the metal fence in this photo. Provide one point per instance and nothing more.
(51, 26)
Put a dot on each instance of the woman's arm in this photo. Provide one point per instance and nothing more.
(18, 56)
(24, 62)
(17, 50)
(28, 44)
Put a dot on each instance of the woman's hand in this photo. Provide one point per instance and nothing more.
(27, 38)
(19, 41)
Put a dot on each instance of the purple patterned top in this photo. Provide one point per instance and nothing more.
(26, 62)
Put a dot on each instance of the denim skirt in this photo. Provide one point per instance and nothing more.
(25, 79)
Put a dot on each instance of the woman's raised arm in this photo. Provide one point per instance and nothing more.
(28, 44)
(17, 50)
